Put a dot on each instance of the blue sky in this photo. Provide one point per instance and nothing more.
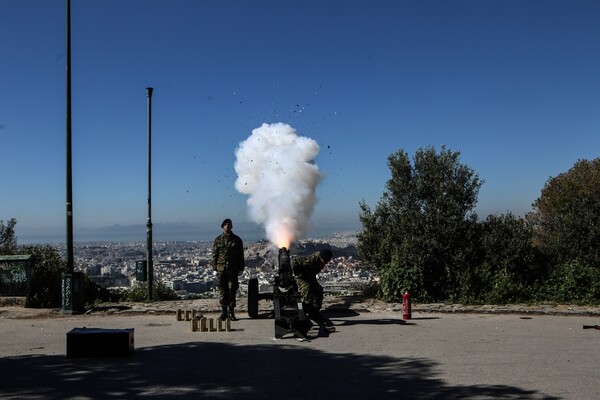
(513, 85)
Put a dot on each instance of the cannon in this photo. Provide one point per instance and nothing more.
(288, 310)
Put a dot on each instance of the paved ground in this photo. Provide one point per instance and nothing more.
(448, 353)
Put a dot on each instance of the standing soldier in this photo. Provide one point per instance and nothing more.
(305, 272)
(228, 261)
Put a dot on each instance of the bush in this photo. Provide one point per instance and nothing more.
(573, 282)
(94, 293)
(46, 280)
(139, 293)
(368, 289)
(508, 263)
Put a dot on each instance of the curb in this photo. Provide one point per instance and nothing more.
(330, 305)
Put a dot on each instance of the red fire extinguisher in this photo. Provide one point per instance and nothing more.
(406, 308)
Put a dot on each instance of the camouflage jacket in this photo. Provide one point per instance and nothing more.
(228, 252)
(308, 267)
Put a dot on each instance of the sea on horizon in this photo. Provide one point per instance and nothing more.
(160, 233)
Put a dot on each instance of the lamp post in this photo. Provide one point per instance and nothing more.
(69, 285)
(150, 269)
(70, 262)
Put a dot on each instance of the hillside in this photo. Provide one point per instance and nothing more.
(342, 245)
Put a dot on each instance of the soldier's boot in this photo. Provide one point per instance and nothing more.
(223, 315)
(325, 326)
(329, 324)
(323, 332)
(231, 314)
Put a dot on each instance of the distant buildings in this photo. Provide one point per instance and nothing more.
(186, 267)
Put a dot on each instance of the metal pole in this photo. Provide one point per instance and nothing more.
(149, 91)
(67, 279)
(70, 262)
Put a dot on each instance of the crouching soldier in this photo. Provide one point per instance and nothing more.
(306, 269)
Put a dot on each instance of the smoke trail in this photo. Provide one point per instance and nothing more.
(276, 169)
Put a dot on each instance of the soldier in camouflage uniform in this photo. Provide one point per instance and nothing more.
(305, 272)
(228, 261)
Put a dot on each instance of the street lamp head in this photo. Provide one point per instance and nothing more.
(149, 91)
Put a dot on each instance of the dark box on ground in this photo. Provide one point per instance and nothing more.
(99, 342)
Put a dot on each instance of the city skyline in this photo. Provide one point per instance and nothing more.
(513, 86)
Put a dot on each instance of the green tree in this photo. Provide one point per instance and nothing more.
(45, 283)
(8, 240)
(566, 217)
(421, 234)
(509, 268)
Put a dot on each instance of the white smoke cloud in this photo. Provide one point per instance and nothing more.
(276, 169)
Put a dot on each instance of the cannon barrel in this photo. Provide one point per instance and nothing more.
(288, 309)
(285, 277)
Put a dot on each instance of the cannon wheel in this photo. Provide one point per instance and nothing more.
(253, 298)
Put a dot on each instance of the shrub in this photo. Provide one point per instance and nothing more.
(139, 293)
(573, 282)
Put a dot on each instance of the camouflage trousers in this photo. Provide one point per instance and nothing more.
(312, 294)
(228, 284)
